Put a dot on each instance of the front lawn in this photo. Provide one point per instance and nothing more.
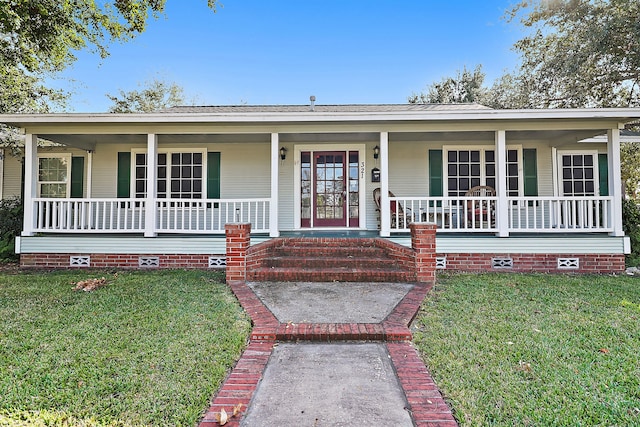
(532, 350)
(148, 348)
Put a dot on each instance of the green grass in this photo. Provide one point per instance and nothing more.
(149, 348)
(534, 350)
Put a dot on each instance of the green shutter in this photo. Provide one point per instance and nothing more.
(213, 175)
(77, 177)
(124, 174)
(435, 173)
(530, 169)
(603, 174)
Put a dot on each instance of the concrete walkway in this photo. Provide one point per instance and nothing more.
(330, 354)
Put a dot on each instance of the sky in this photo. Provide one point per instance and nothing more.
(262, 52)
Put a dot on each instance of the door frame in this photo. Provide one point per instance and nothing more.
(361, 149)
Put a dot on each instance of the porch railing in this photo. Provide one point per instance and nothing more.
(129, 215)
(525, 214)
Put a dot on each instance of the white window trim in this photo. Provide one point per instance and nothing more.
(52, 156)
(558, 168)
(445, 169)
(170, 150)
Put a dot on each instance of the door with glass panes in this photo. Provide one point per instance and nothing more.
(330, 190)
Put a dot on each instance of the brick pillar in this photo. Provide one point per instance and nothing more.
(238, 239)
(423, 242)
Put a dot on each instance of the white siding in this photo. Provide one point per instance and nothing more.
(527, 244)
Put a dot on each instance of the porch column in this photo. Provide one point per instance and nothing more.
(89, 173)
(274, 224)
(615, 180)
(30, 183)
(150, 201)
(502, 206)
(385, 206)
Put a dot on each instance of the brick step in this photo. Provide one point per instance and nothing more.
(329, 262)
(335, 243)
(329, 251)
(339, 274)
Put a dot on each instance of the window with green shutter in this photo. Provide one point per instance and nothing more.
(124, 175)
(603, 174)
(435, 173)
(77, 177)
(213, 175)
(530, 171)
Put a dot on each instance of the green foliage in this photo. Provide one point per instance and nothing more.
(631, 226)
(630, 167)
(465, 87)
(41, 37)
(580, 53)
(147, 349)
(157, 95)
(10, 226)
(534, 350)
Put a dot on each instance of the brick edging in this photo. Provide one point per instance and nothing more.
(426, 404)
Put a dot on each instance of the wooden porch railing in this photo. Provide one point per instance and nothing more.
(525, 214)
(128, 215)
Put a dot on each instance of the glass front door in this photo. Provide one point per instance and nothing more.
(330, 189)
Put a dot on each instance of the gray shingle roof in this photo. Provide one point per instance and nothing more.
(345, 108)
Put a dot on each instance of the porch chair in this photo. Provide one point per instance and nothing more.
(481, 211)
(397, 212)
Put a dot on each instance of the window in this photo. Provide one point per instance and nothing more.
(469, 168)
(53, 176)
(179, 175)
(578, 173)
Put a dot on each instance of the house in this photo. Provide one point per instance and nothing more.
(156, 190)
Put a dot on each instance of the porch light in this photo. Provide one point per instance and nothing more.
(376, 152)
(283, 153)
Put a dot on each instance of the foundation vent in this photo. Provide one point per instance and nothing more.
(568, 263)
(148, 261)
(217, 262)
(441, 262)
(501, 262)
(80, 261)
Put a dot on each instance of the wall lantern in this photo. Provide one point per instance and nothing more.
(283, 153)
(376, 152)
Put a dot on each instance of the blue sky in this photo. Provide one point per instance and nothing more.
(283, 51)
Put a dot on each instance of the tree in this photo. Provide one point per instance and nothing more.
(157, 95)
(465, 87)
(580, 53)
(42, 35)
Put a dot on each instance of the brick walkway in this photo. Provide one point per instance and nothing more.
(426, 404)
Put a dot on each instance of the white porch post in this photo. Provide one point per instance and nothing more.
(502, 206)
(385, 206)
(275, 172)
(30, 183)
(89, 173)
(150, 201)
(615, 180)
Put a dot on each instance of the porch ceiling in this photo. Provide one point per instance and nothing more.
(89, 141)
(554, 137)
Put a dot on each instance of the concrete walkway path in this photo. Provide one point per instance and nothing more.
(330, 354)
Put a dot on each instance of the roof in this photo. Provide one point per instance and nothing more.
(343, 108)
(346, 114)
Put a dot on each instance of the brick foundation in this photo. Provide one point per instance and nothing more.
(125, 261)
(540, 263)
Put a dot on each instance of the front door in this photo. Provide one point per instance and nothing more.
(335, 188)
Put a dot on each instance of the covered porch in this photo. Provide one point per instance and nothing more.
(168, 183)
